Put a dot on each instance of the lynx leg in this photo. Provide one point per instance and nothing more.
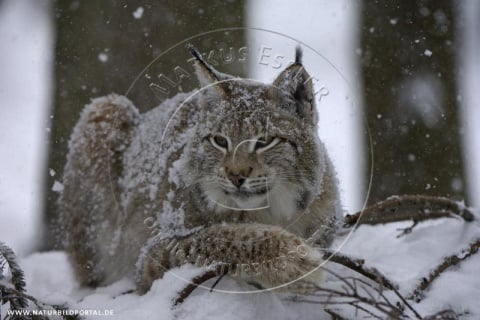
(262, 254)
(91, 175)
(153, 262)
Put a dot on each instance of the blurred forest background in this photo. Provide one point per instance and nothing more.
(413, 62)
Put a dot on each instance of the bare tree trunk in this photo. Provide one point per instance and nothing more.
(410, 96)
(102, 46)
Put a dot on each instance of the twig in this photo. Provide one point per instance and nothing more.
(334, 315)
(407, 230)
(217, 281)
(351, 263)
(218, 270)
(350, 295)
(357, 305)
(350, 288)
(443, 315)
(398, 208)
(409, 207)
(447, 262)
(357, 265)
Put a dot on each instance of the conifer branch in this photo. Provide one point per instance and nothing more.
(12, 289)
(17, 278)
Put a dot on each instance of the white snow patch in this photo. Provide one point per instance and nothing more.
(138, 13)
(427, 53)
(457, 184)
(103, 57)
(49, 276)
(57, 187)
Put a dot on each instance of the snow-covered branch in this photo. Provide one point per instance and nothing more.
(362, 296)
(417, 208)
(15, 280)
(358, 265)
(409, 207)
(12, 288)
(446, 263)
(217, 271)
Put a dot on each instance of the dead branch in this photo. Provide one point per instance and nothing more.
(334, 315)
(443, 315)
(357, 306)
(398, 208)
(409, 207)
(358, 265)
(218, 270)
(350, 293)
(446, 263)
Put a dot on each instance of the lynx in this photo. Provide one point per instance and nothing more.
(231, 174)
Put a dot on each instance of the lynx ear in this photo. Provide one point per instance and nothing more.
(206, 74)
(295, 82)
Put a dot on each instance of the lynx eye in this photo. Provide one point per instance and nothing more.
(263, 144)
(219, 141)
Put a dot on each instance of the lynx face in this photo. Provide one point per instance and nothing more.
(257, 147)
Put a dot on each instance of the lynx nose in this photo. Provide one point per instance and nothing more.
(238, 177)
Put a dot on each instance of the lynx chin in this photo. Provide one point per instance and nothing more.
(234, 173)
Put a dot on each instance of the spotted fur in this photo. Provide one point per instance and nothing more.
(234, 174)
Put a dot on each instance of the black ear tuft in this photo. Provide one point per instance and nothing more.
(298, 55)
(206, 74)
(296, 83)
(203, 66)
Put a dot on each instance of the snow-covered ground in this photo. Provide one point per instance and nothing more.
(25, 63)
(404, 260)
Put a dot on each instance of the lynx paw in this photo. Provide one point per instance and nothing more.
(267, 255)
(153, 262)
